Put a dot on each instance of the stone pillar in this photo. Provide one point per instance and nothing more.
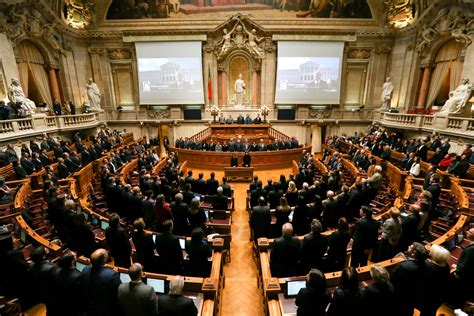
(316, 139)
(53, 82)
(223, 88)
(425, 86)
(270, 77)
(10, 68)
(255, 87)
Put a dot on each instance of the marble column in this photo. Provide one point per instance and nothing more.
(316, 145)
(223, 88)
(53, 82)
(8, 59)
(255, 87)
(425, 86)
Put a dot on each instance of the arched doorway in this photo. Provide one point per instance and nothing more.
(33, 76)
(446, 74)
(240, 65)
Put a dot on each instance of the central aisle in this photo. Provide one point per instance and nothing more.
(241, 295)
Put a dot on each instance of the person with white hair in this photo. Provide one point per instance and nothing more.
(436, 278)
(175, 303)
(378, 297)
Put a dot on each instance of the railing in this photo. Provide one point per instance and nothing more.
(277, 135)
(40, 123)
(453, 125)
(202, 134)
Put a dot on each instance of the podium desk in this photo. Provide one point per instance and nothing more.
(233, 173)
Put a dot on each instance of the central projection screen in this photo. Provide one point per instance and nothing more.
(309, 72)
(170, 72)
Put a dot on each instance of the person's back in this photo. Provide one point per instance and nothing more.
(99, 286)
(136, 298)
(43, 273)
(211, 185)
(198, 251)
(179, 209)
(314, 247)
(118, 242)
(174, 303)
(285, 253)
(169, 250)
(379, 297)
(219, 201)
(68, 286)
(260, 219)
(313, 299)
(144, 245)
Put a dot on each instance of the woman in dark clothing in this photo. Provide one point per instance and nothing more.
(291, 194)
(196, 216)
(301, 217)
(313, 299)
(379, 296)
(82, 237)
(198, 250)
(162, 212)
(281, 214)
(144, 245)
(346, 299)
(338, 246)
(5, 193)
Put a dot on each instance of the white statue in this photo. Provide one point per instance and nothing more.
(226, 41)
(253, 41)
(92, 95)
(457, 99)
(387, 91)
(239, 88)
(16, 95)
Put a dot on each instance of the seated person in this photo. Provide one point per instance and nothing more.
(5, 192)
(257, 119)
(229, 120)
(240, 119)
(248, 120)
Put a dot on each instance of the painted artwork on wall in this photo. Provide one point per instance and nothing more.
(149, 9)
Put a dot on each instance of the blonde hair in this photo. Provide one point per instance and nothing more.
(379, 274)
(439, 255)
(394, 212)
(291, 186)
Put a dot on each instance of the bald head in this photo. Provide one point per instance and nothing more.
(99, 257)
(176, 285)
(470, 234)
(287, 230)
(136, 272)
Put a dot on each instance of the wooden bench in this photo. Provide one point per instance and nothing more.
(233, 173)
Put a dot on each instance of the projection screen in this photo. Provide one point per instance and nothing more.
(170, 72)
(309, 72)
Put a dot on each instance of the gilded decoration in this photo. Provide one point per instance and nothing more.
(79, 13)
(20, 21)
(400, 13)
(159, 114)
(454, 22)
(319, 114)
(119, 54)
(359, 53)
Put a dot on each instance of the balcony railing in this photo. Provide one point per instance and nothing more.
(37, 124)
(453, 125)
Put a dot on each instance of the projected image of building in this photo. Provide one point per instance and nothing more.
(170, 74)
(306, 73)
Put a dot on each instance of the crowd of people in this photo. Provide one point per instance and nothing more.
(236, 145)
(240, 119)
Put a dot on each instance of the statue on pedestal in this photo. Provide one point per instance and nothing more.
(239, 88)
(17, 95)
(457, 99)
(92, 95)
(387, 91)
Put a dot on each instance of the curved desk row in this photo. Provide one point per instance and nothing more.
(260, 159)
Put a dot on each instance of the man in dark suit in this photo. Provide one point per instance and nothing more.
(318, 83)
(180, 210)
(285, 253)
(246, 160)
(188, 195)
(260, 219)
(189, 179)
(27, 164)
(365, 237)
(314, 247)
(227, 189)
(63, 170)
(200, 184)
(99, 286)
(135, 297)
(423, 151)
(57, 109)
(330, 214)
(253, 185)
(212, 184)
(435, 189)
(234, 162)
(167, 246)
(144, 245)
(256, 194)
(407, 279)
(198, 250)
(465, 268)
(356, 197)
(219, 201)
(118, 242)
(445, 146)
(68, 285)
(43, 273)
(175, 304)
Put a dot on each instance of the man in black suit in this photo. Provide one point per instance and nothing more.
(260, 219)
(423, 151)
(188, 195)
(63, 170)
(198, 250)
(437, 157)
(246, 160)
(189, 179)
(68, 285)
(356, 198)
(407, 279)
(227, 189)
(285, 254)
(330, 214)
(200, 184)
(135, 297)
(342, 199)
(43, 273)
(219, 201)
(212, 184)
(27, 164)
(365, 237)
(465, 268)
(118, 242)
(144, 245)
(234, 162)
(256, 194)
(253, 185)
(435, 189)
(167, 246)
(318, 83)
(99, 286)
(180, 210)
(314, 247)
(445, 146)
(175, 304)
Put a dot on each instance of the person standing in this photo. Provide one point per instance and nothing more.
(136, 298)
(175, 303)
(365, 237)
(118, 242)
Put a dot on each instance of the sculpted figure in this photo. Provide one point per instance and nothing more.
(387, 91)
(16, 94)
(93, 95)
(457, 99)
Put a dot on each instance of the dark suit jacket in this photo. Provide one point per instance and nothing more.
(198, 252)
(284, 257)
(211, 186)
(68, 291)
(171, 255)
(200, 186)
(255, 195)
(43, 273)
(435, 190)
(330, 213)
(312, 251)
(260, 221)
(63, 171)
(119, 245)
(219, 202)
(407, 279)
(365, 234)
(226, 189)
(423, 152)
(137, 299)
(176, 305)
(378, 297)
(99, 288)
(465, 265)
(180, 215)
(311, 303)
(145, 248)
(234, 162)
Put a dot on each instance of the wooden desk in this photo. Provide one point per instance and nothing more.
(232, 173)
